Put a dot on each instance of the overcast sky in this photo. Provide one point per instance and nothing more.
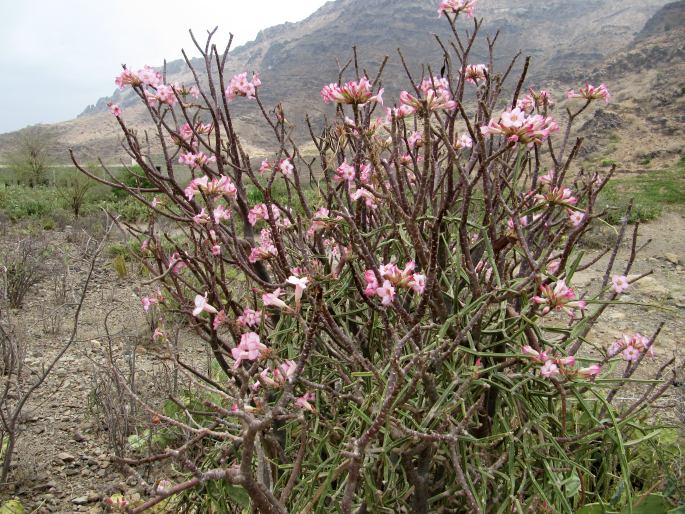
(58, 56)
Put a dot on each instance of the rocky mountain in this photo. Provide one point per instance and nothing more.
(566, 39)
(645, 124)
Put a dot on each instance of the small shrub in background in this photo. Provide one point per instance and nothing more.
(400, 334)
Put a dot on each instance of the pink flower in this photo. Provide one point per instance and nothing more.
(240, 86)
(619, 283)
(220, 213)
(534, 354)
(250, 348)
(549, 369)
(590, 92)
(631, 354)
(553, 266)
(475, 72)
(303, 402)
(371, 283)
(457, 6)
(115, 109)
(195, 160)
(590, 371)
(273, 300)
(194, 91)
(176, 263)
(285, 371)
(576, 218)
(158, 334)
(518, 127)
(464, 141)
(219, 319)
(559, 297)
(400, 112)
(368, 196)
(202, 305)
(414, 140)
(249, 318)
(418, 283)
(147, 302)
(557, 196)
(265, 166)
(386, 292)
(434, 100)
(345, 172)
(201, 218)
(285, 167)
(165, 94)
(353, 92)
(300, 284)
(215, 250)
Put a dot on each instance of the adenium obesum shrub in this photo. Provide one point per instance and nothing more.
(393, 325)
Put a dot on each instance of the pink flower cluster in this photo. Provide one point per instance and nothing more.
(261, 212)
(163, 94)
(240, 86)
(519, 127)
(590, 92)
(619, 283)
(187, 132)
(558, 297)
(631, 347)
(457, 6)
(535, 100)
(393, 277)
(474, 73)
(249, 318)
(249, 349)
(195, 160)
(436, 97)
(222, 186)
(557, 196)
(554, 366)
(115, 109)
(353, 93)
(146, 76)
(278, 377)
(266, 248)
(463, 141)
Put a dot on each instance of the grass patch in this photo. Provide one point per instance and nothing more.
(651, 191)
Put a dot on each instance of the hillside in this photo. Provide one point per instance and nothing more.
(565, 39)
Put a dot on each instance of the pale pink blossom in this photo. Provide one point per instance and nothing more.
(463, 141)
(557, 196)
(285, 167)
(194, 91)
(240, 86)
(474, 73)
(418, 283)
(553, 266)
(285, 371)
(456, 7)
(215, 250)
(590, 92)
(300, 284)
(559, 296)
(433, 100)
(202, 305)
(518, 127)
(221, 213)
(576, 218)
(353, 93)
(147, 302)
(368, 197)
(534, 354)
(249, 318)
(273, 300)
(549, 369)
(158, 334)
(265, 166)
(115, 110)
(619, 283)
(250, 348)
(219, 319)
(195, 160)
(345, 172)
(414, 140)
(590, 371)
(303, 402)
(402, 111)
(201, 217)
(386, 293)
(176, 263)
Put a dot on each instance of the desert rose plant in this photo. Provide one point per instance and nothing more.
(392, 319)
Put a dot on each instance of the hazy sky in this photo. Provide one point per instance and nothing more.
(57, 56)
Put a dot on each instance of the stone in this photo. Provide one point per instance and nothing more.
(66, 457)
(672, 258)
(651, 287)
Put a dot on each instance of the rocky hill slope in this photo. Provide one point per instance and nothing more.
(566, 38)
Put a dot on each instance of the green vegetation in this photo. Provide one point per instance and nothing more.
(650, 191)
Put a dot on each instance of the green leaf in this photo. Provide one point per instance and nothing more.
(677, 510)
(12, 507)
(591, 508)
(572, 485)
(651, 504)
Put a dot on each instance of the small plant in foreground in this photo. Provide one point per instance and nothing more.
(405, 339)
